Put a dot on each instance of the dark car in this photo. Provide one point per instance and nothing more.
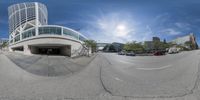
(159, 53)
(130, 54)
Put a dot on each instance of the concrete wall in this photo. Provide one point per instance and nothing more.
(66, 50)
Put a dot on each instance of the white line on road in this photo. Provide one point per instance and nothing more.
(116, 78)
(163, 67)
(122, 61)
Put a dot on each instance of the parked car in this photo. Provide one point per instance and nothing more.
(173, 50)
(159, 53)
(122, 53)
(130, 54)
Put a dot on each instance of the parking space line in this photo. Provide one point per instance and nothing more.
(163, 67)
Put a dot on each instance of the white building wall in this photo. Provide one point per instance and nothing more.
(182, 40)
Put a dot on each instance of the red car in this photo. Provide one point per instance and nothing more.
(159, 53)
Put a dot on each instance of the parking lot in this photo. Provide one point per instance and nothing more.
(107, 76)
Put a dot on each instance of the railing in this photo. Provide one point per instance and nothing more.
(48, 30)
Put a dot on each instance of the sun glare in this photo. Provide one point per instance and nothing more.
(121, 27)
(121, 30)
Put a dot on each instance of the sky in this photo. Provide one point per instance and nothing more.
(119, 20)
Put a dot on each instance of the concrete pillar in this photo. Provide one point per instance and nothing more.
(10, 49)
(89, 51)
(34, 50)
(68, 50)
(27, 50)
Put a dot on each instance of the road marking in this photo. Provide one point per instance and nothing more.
(116, 78)
(122, 61)
(163, 67)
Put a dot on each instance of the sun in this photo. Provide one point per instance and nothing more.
(121, 27)
(121, 30)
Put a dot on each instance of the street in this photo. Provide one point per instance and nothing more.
(152, 76)
(106, 76)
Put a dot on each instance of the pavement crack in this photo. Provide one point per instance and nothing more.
(197, 80)
(102, 83)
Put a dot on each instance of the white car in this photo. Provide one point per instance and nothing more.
(173, 50)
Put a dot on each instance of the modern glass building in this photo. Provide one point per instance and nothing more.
(30, 32)
(19, 14)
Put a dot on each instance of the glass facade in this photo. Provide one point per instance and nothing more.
(70, 33)
(28, 33)
(50, 30)
(17, 38)
(24, 12)
(42, 13)
(82, 38)
(23, 16)
(31, 15)
(11, 41)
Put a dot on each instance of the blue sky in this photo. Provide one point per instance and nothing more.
(119, 20)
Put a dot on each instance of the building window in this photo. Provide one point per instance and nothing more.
(17, 38)
(11, 41)
(82, 38)
(50, 30)
(23, 16)
(70, 33)
(30, 14)
(28, 33)
(22, 6)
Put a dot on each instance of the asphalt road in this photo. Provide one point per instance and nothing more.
(106, 77)
(152, 76)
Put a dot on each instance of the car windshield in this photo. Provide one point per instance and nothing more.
(99, 50)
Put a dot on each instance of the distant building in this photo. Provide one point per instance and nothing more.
(114, 47)
(156, 39)
(118, 46)
(188, 38)
(149, 45)
(164, 41)
(100, 46)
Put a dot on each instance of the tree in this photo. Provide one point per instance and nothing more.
(92, 44)
(133, 46)
(189, 44)
(157, 45)
(5, 44)
(161, 45)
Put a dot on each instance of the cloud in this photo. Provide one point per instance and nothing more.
(116, 27)
(170, 31)
(111, 27)
(161, 18)
(184, 26)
